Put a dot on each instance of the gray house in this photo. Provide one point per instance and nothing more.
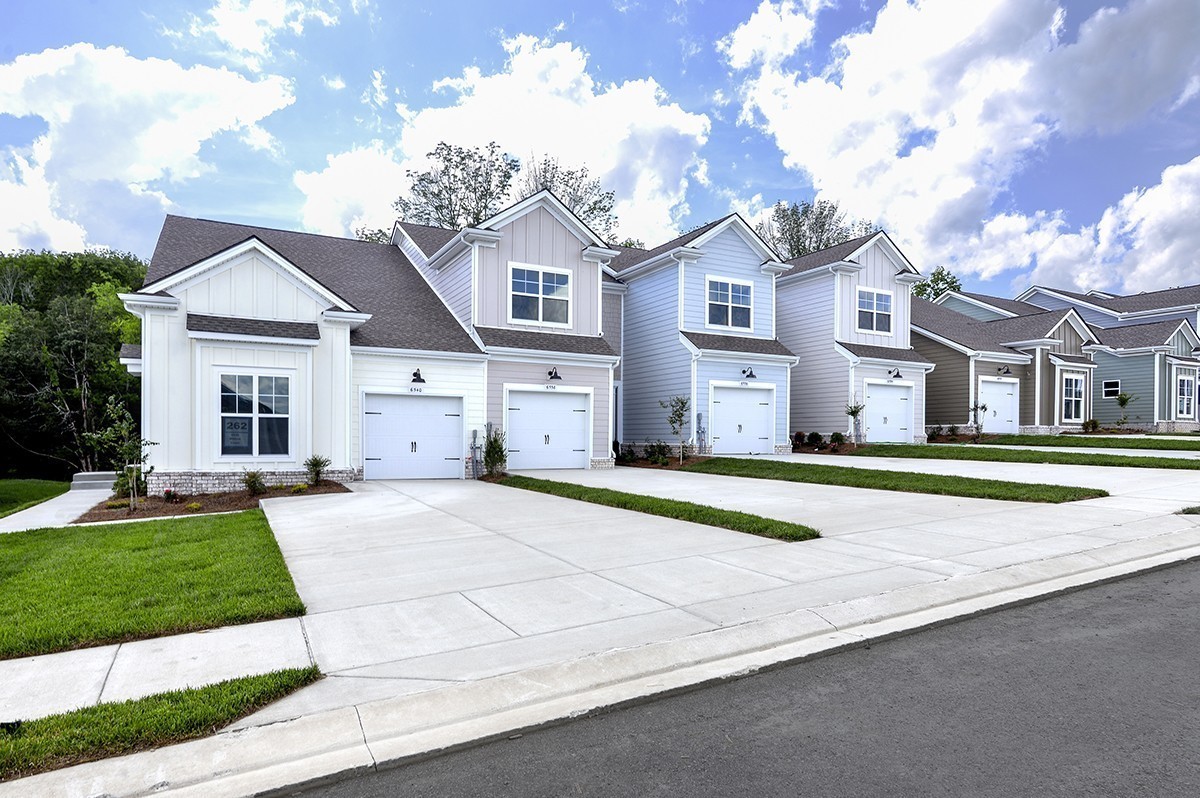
(699, 321)
(1155, 362)
(1032, 371)
(1111, 310)
(845, 312)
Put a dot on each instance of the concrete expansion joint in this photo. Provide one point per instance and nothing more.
(366, 743)
(107, 673)
(307, 643)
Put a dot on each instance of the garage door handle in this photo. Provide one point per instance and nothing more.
(547, 440)
(374, 458)
(374, 412)
(413, 446)
(739, 428)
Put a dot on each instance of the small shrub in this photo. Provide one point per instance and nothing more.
(171, 496)
(315, 466)
(1091, 425)
(657, 452)
(815, 439)
(119, 504)
(301, 488)
(495, 451)
(952, 431)
(836, 438)
(192, 507)
(254, 483)
(686, 450)
(936, 431)
(626, 454)
(797, 439)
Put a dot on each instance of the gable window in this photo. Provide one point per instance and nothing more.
(541, 296)
(1072, 397)
(874, 311)
(1186, 395)
(255, 415)
(729, 304)
(1112, 389)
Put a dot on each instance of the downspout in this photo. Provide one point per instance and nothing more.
(971, 388)
(695, 439)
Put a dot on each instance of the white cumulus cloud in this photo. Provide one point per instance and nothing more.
(247, 29)
(355, 189)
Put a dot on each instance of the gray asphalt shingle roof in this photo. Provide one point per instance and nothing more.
(1132, 303)
(428, 239)
(631, 256)
(1136, 336)
(738, 343)
(373, 278)
(304, 330)
(983, 336)
(1011, 305)
(824, 257)
(883, 352)
(550, 342)
(131, 351)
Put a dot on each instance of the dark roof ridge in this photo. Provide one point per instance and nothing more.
(274, 229)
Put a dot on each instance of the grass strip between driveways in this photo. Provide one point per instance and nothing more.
(21, 494)
(1190, 510)
(906, 481)
(669, 508)
(92, 733)
(970, 452)
(1092, 442)
(85, 586)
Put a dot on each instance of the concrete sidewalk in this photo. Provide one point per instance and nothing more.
(1175, 453)
(59, 511)
(447, 612)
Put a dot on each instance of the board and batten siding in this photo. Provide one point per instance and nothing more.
(727, 255)
(167, 390)
(971, 309)
(251, 287)
(656, 364)
(392, 374)
(1136, 373)
(1070, 342)
(613, 307)
(878, 273)
(538, 239)
(500, 372)
(947, 387)
(729, 371)
(820, 381)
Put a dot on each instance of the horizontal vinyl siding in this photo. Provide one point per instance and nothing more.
(820, 382)
(1137, 377)
(727, 256)
(573, 375)
(656, 364)
(453, 283)
(612, 325)
(947, 387)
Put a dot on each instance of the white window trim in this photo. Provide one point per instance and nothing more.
(512, 264)
(712, 278)
(1104, 389)
(1062, 396)
(254, 373)
(891, 314)
(1185, 376)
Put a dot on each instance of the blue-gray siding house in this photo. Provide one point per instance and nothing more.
(699, 321)
(1155, 364)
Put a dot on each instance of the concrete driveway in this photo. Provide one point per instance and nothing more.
(415, 585)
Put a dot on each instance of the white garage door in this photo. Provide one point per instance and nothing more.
(412, 437)
(889, 413)
(1003, 404)
(548, 430)
(742, 421)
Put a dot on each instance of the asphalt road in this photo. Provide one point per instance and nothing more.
(1096, 693)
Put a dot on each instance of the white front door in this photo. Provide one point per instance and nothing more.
(742, 421)
(548, 430)
(1003, 400)
(1072, 398)
(412, 437)
(888, 414)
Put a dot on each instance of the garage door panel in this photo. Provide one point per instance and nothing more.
(548, 430)
(1003, 400)
(742, 421)
(888, 413)
(412, 437)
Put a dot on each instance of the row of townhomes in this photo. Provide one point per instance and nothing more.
(261, 347)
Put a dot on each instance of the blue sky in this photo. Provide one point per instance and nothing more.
(1014, 141)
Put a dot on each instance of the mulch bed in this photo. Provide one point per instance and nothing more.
(156, 506)
(673, 464)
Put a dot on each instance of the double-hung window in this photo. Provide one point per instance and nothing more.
(255, 415)
(1186, 395)
(729, 304)
(541, 296)
(874, 311)
(1112, 389)
(1072, 397)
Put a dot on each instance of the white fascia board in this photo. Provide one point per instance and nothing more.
(725, 354)
(904, 364)
(1141, 350)
(839, 267)
(397, 232)
(192, 273)
(1037, 289)
(614, 288)
(773, 268)
(1189, 332)
(890, 249)
(971, 301)
(429, 354)
(1071, 364)
(251, 339)
(1030, 343)
(601, 255)
(544, 355)
(908, 278)
(136, 303)
(1016, 358)
(1183, 361)
(546, 199)
(355, 320)
(1076, 321)
(1137, 314)
(670, 258)
(132, 364)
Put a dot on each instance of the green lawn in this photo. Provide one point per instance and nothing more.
(669, 508)
(21, 494)
(115, 729)
(905, 481)
(85, 586)
(1190, 510)
(968, 452)
(1093, 442)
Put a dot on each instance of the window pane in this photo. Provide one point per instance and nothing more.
(741, 317)
(554, 310)
(865, 320)
(718, 292)
(266, 386)
(883, 303)
(883, 322)
(525, 281)
(272, 436)
(281, 405)
(525, 307)
(554, 285)
(235, 436)
(740, 294)
(228, 402)
(718, 314)
(866, 300)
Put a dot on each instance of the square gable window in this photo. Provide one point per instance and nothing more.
(874, 311)
(729, 304)
(539, 295)
(255, 415)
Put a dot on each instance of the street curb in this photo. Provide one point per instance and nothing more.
(283, 757)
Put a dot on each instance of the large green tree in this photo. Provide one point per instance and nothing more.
(463, 186)
(798, 229)
(61, 328)
(938, 283)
